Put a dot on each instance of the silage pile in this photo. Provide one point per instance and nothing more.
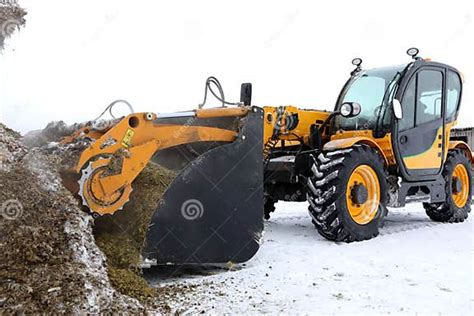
(12, 17)
(120, 236)
(49, 261)
(56, 256)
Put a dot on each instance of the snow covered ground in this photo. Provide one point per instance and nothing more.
(414, 266)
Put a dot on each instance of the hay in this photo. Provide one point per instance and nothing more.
(129, 283)
(121, 236)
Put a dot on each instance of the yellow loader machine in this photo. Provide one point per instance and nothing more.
(386, 143)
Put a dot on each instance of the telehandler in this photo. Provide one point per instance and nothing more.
(385, 144)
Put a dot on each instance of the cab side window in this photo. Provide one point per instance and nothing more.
(429, 96)
(453, 87)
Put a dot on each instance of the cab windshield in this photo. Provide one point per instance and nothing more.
(373, 89)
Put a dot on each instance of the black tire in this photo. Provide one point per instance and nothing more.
(327, 193)
(268, 207)
(447, 211)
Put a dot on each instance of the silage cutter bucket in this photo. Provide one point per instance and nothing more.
(213, 210)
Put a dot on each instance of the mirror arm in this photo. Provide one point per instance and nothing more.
(379, 127)
(328, 120)
(355, 71)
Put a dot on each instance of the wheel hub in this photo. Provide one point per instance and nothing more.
(457, 185)
(359, 194)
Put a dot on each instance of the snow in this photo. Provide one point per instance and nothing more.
(413, 266)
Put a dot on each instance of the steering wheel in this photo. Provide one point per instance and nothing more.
(377, 110)
(376, 113)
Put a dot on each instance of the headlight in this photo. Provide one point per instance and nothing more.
(357, 62)
(356, 108)
(346, 109)
(413, 52)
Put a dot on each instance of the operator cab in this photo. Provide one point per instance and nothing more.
(416, 103)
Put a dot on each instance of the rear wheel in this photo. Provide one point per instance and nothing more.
(268, 207)
(457, 174)
(347, 194)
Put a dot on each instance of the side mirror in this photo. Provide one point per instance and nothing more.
(350, 109)
(246, 93)
(397, 109)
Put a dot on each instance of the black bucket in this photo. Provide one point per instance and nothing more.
(213, 211)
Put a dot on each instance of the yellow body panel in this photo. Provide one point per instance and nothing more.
(346, 139)
(306, 118)
(426, 160)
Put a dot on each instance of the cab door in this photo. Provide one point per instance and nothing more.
(420, 132)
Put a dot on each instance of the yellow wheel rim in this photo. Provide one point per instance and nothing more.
(460, 198)
(363, 213)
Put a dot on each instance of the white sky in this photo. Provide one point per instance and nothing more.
(74, 57)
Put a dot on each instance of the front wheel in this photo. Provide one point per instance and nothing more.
(457, 175)
(347, 194)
